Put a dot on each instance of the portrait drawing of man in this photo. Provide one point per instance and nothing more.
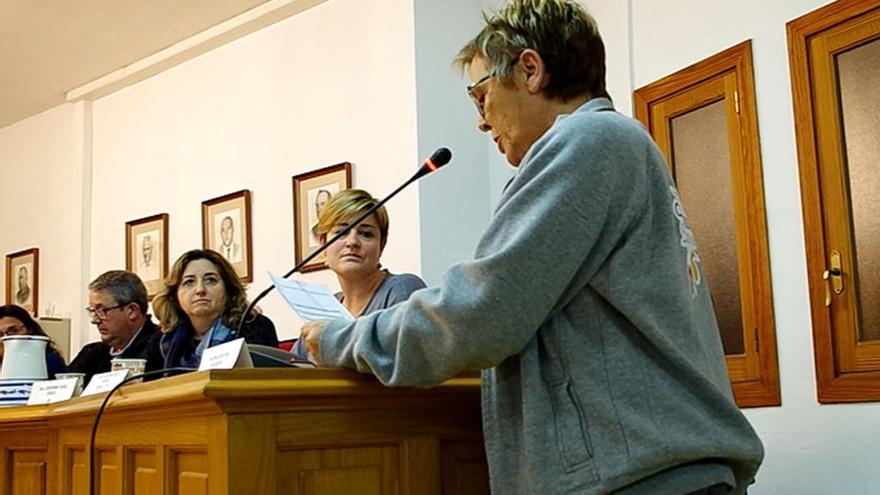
(229, 241)
(147, 256)
(23, 294)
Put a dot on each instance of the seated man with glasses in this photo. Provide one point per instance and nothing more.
(118, 308)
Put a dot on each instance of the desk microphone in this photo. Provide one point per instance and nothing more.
(439, 158)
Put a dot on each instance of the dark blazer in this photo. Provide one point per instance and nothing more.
(95, 357)
(54, 363)
(179, 341)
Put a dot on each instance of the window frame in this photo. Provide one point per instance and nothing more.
(754, 375)
(846, 370)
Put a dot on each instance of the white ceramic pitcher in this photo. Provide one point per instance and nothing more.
(24, 357)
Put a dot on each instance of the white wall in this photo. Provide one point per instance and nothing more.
(42, 173)
(335, 83)
(613, 19)
(811, 448)
(455, 203)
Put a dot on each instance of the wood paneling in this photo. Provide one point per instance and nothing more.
(107, 467)
(142, 475)
(189, 472)
(246, 432)
(27, 472)
(24, 461)
(341, 470)
(420, 465)
(75, 471)
(253, 453)
(464, 468)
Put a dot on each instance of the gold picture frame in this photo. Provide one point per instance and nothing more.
(226, 228)
(146, 250)
(23, 279)
(310, 191)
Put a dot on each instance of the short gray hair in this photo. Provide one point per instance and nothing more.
(561, 31)
(125, 287)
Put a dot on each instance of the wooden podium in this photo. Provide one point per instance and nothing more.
(254, 432)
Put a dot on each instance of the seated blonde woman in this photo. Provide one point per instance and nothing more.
(199, 306)
(366, 287)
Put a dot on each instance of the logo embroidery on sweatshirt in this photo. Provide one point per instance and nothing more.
(688, 242)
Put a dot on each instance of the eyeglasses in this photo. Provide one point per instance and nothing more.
(100, 313)
(478, 100)
(13, 330)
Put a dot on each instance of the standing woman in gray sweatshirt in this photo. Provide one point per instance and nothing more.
(585, 304)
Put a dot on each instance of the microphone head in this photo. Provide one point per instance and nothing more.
(432, 163)
(440, 157)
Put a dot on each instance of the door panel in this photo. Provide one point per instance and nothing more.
(701, 160)
(858, 75)
(834, 54)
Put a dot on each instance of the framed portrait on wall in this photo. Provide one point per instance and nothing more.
(146, 250)
(23, 279)
(311, 191)
(226, 228)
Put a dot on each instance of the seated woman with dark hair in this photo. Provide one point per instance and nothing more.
(199, 306)
(366, 287)
(15, 320)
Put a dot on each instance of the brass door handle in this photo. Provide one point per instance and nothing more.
(836, 272)
(833, 277)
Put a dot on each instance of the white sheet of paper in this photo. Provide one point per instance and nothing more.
(104, 382)
(50, 391)
(310, 301)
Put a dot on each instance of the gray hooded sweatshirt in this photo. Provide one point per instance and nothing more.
(587, 307)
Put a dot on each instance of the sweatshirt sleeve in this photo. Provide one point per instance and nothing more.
(554, 227)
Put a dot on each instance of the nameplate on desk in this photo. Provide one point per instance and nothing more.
(232, 354)
(47, 392)
(104, 382)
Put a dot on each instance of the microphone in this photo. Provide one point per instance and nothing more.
(440, 157)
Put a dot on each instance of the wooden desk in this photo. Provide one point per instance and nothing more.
(253, 431)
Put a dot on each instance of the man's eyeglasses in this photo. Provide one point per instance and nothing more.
(100, 313)
(13, 330)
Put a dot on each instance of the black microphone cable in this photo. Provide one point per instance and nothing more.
(101, 413)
